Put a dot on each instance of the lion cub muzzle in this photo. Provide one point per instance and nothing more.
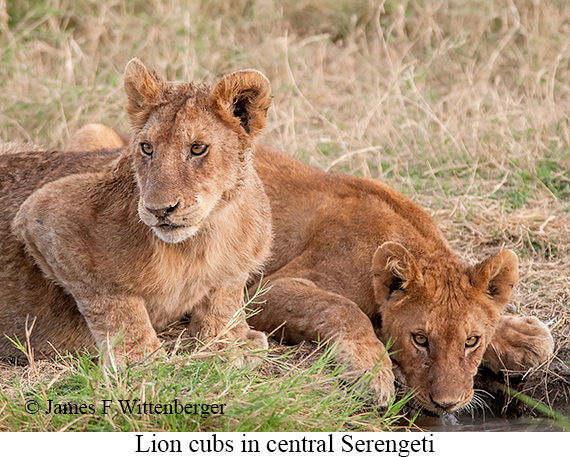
(172, 223)
(449, 392)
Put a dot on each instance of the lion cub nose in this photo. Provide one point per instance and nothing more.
(445, 404)
(161, 211)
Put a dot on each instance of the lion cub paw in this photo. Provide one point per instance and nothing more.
(375, 385)
(381, 387)
(254, 341)
(257, 340)
(519, 343)
(241, 347)
(120, 354)
(249, 338)
(369, 368)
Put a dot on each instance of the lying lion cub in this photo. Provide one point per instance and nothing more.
(356, 263)
(126, 245)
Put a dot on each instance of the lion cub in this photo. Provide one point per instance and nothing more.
(356, 263)
(175, 225)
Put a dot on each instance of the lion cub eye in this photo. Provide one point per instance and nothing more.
(198, 149)
(147, 149)
(471, 341)
(420, 340)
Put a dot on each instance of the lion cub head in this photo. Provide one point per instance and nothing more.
(191, 145)
(440, 315)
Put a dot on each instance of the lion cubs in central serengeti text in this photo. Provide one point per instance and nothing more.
(175, 225)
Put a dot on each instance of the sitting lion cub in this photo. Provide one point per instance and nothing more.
(356, 263)
(126, 245)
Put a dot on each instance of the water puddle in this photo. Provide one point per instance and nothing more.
(450, 423)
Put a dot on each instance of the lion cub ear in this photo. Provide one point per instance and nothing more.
(393, 268)
(242, 99)
(496, 276)
(144, 89)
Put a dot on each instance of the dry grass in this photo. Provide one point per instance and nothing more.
(462, 105)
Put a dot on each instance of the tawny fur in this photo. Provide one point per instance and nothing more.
(126, 243)
(95, 134)
(358, 264)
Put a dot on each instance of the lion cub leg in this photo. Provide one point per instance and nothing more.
(57, 243)
(311, 313)
(518, 344)
(220, 318)
(119, 324)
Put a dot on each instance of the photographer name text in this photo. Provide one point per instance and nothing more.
(130, 407)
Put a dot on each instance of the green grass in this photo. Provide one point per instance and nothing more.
(556, 419)
(297, 399)
(290, 390)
